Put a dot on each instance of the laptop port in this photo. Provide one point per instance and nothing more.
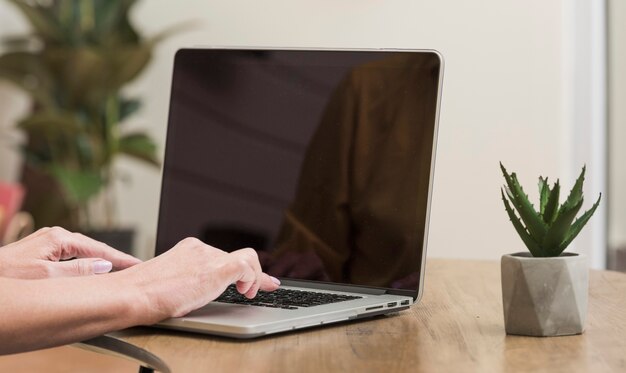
(404, 303)
(373, 308)
(392, 304)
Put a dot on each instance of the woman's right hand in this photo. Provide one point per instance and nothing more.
(192, 274)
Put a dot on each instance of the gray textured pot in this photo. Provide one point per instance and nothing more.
(544, 296)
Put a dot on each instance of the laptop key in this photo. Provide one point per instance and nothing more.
(283, 298)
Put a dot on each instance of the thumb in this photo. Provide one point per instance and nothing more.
(80, 267)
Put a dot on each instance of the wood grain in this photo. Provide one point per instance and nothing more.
(64, 360)
(457, 327)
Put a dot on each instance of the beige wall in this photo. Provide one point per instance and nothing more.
(503, 97)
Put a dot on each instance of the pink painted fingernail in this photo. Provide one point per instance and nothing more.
(102, 266)
(275, 280)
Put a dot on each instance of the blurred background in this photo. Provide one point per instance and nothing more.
(537, 85)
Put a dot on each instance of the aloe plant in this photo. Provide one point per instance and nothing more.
(74, 65)
(547, 232)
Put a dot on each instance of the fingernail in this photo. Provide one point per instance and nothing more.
(275, 280)
(102, 266)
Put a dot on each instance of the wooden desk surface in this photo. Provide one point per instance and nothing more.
(458, 326)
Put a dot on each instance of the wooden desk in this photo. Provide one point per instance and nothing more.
(458, 327)
(63, 360)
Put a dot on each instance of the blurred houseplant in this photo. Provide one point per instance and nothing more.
(544, 291)
(74, 64)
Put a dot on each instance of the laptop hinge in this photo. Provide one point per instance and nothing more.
(335, 287)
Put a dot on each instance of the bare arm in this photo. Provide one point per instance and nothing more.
(53, 311)
(36, 314)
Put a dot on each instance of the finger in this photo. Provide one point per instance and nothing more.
(256, 265)
(268, 283)
(264, 282)
(76, 245)
(244, 277)
(251, 257)
(79, 267)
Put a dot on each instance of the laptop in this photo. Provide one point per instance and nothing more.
(320, 160)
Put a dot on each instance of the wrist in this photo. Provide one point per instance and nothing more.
(136, 303)
(144, 295)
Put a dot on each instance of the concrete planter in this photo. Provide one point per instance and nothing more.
(544, 297)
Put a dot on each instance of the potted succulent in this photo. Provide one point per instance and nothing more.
(544, 290)
(74, 65)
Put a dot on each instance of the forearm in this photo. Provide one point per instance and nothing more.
(44, 313)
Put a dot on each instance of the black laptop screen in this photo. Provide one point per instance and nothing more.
(320, 160)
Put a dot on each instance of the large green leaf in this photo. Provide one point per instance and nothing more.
(52, 123)
(139, 146)
(127, 107)
(60, 138)
(79, 186)
(27, 71)
(128, 62)
(121, 31)
(82, 72)
(41, 19)
(108, 15)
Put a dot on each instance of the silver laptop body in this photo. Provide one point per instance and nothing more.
(322, 160)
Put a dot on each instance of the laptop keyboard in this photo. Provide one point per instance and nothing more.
(283, 298)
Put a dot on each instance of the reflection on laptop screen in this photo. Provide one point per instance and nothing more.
(320, 160)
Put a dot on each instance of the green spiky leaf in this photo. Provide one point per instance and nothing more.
(552, 204)
(532, 246)
(576, 194)
(533, 222)
(559, 228)
(579, 224)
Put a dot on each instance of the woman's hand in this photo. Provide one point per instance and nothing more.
(192, 274)
(40, 256)
(69, 309)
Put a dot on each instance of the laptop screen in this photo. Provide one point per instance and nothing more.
(319, 160)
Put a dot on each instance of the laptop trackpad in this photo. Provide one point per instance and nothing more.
(227, 312)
